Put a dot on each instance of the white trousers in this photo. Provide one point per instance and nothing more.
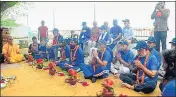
(119, 68)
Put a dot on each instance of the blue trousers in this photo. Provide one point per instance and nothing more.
(160, 36)
(61, 64)
(53, 51)
(89, 71)
(146, 87)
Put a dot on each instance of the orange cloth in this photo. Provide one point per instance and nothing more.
(13, 52)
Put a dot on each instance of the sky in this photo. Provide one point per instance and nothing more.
(70, 15)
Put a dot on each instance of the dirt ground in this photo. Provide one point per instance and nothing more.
(32, 82)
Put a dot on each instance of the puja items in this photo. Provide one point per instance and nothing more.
(107, 88)
(5, 81)
(39, 63)
(30, 59)
(52, 68)
(73, 77)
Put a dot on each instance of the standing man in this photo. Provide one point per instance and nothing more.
(42, 31)
(94, 36)
(160, 14)
(115, 33)
(84, 37)
(127, 32)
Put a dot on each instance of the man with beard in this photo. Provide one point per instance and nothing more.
(76, 56)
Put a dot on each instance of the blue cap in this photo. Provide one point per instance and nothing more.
(141, 45)
(102, 42)
(103, 27)
(55, 30)
(124, 42)
(151, 39)
(84, 23)
(173, 41)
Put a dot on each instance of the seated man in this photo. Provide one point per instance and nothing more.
(53, 49)
(43, 51)
(151, 45)
(84, 37)
(100, 64)
(145, 78)
(11, 51)
(173, 43)
(125, 57)
(94, 36)
(64, 52)
(76, 56)
(34, 48)
(115, 33)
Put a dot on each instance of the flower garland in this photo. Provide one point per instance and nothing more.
(143, 74)
(73, 57)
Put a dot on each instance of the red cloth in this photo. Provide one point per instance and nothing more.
(158, 14)
(43, 31)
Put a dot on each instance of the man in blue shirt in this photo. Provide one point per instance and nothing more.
(64, 52)
(84, 37)
(151, 45)
(173, 43)
(53, 49)
(125, 56)
(115, 33)
(104, 34)
(100, 64)
(145, 78)
(127, 31)
(76, 56)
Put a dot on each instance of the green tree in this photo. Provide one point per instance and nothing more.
(9, 23)
(6, 4)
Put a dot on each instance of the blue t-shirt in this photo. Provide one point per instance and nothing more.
(111, 53)
(84, 36)
(115, 30)
(60, 38)
(169, 89)
(106, 57)
(127, 56)
(157, 55)
(152, 64)
(79, 57)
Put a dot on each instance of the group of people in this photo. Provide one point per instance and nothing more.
(109, 51)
